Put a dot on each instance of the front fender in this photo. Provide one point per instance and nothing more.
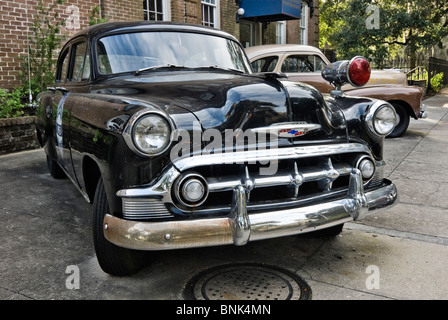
(410, 95)
(354, 110)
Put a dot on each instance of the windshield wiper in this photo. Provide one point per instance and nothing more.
(221, 68)
(275, 75)
(168, 65)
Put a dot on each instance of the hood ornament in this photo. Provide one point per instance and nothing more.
(288, 129)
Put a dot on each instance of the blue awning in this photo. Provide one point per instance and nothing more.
(271, 10)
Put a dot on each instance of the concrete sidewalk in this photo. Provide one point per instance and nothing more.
(46, 230)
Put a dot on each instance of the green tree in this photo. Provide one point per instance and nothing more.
(403, 25)
(44, 38)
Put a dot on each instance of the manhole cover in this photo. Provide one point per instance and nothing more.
(247, 282)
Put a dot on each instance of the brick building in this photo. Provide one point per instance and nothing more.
(17, 15)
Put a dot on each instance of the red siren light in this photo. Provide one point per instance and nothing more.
(359, 71)
(355, 71)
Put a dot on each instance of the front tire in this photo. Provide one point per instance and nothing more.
(403, 125)
(114, 260)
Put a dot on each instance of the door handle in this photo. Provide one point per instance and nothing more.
(54, 89)
(62, 89)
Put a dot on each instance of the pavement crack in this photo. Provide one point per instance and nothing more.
(398, 233)
(17, 293)
(371, 293)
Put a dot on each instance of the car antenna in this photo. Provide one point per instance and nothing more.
(30, 96)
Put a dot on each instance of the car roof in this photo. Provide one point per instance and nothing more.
(136, 26)
(279, 48)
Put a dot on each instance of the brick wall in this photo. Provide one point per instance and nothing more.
(14, 23)
(14, 27)
(12, 39)
(119, 10)
(17, 134)
(228, 18)
(186, 11)
(313, 26)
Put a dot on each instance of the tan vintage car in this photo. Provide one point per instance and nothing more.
(305, 63)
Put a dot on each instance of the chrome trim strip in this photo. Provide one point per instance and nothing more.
(239, 227)
(265, 155)
(160, 190)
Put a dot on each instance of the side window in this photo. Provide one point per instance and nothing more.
(303, 63)
(81, 62)
(319, 64)
(266, 64)
(64, 61)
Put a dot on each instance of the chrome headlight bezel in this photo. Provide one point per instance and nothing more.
(381, 118)
(129, 133)
(181, 192)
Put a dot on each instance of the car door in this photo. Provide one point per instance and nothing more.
(60, 117)
(72, 80)
(77, 86)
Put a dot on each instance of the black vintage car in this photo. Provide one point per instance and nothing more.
(166, 130)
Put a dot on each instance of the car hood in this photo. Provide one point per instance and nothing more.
(222, 101)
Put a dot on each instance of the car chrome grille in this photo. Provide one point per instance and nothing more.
(297, 181)
(305, 175)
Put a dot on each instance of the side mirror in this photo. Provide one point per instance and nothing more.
(355, 71)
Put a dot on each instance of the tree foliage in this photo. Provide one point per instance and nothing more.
(403, 25)
(95, 16)
(44, 38)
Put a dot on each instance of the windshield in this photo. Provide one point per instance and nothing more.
(142, 50)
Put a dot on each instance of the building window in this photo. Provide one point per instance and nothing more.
(209, 14)
(247, 33)
(304, 25)
(153, 10)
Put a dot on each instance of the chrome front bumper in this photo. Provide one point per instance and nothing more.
(240, 227)
(423, 114)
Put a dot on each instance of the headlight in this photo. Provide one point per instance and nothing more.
(148, 134)
(385, 120)
(151, 134)
(381, 118)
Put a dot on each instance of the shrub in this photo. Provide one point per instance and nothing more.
(11, 103)
(437, 82)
